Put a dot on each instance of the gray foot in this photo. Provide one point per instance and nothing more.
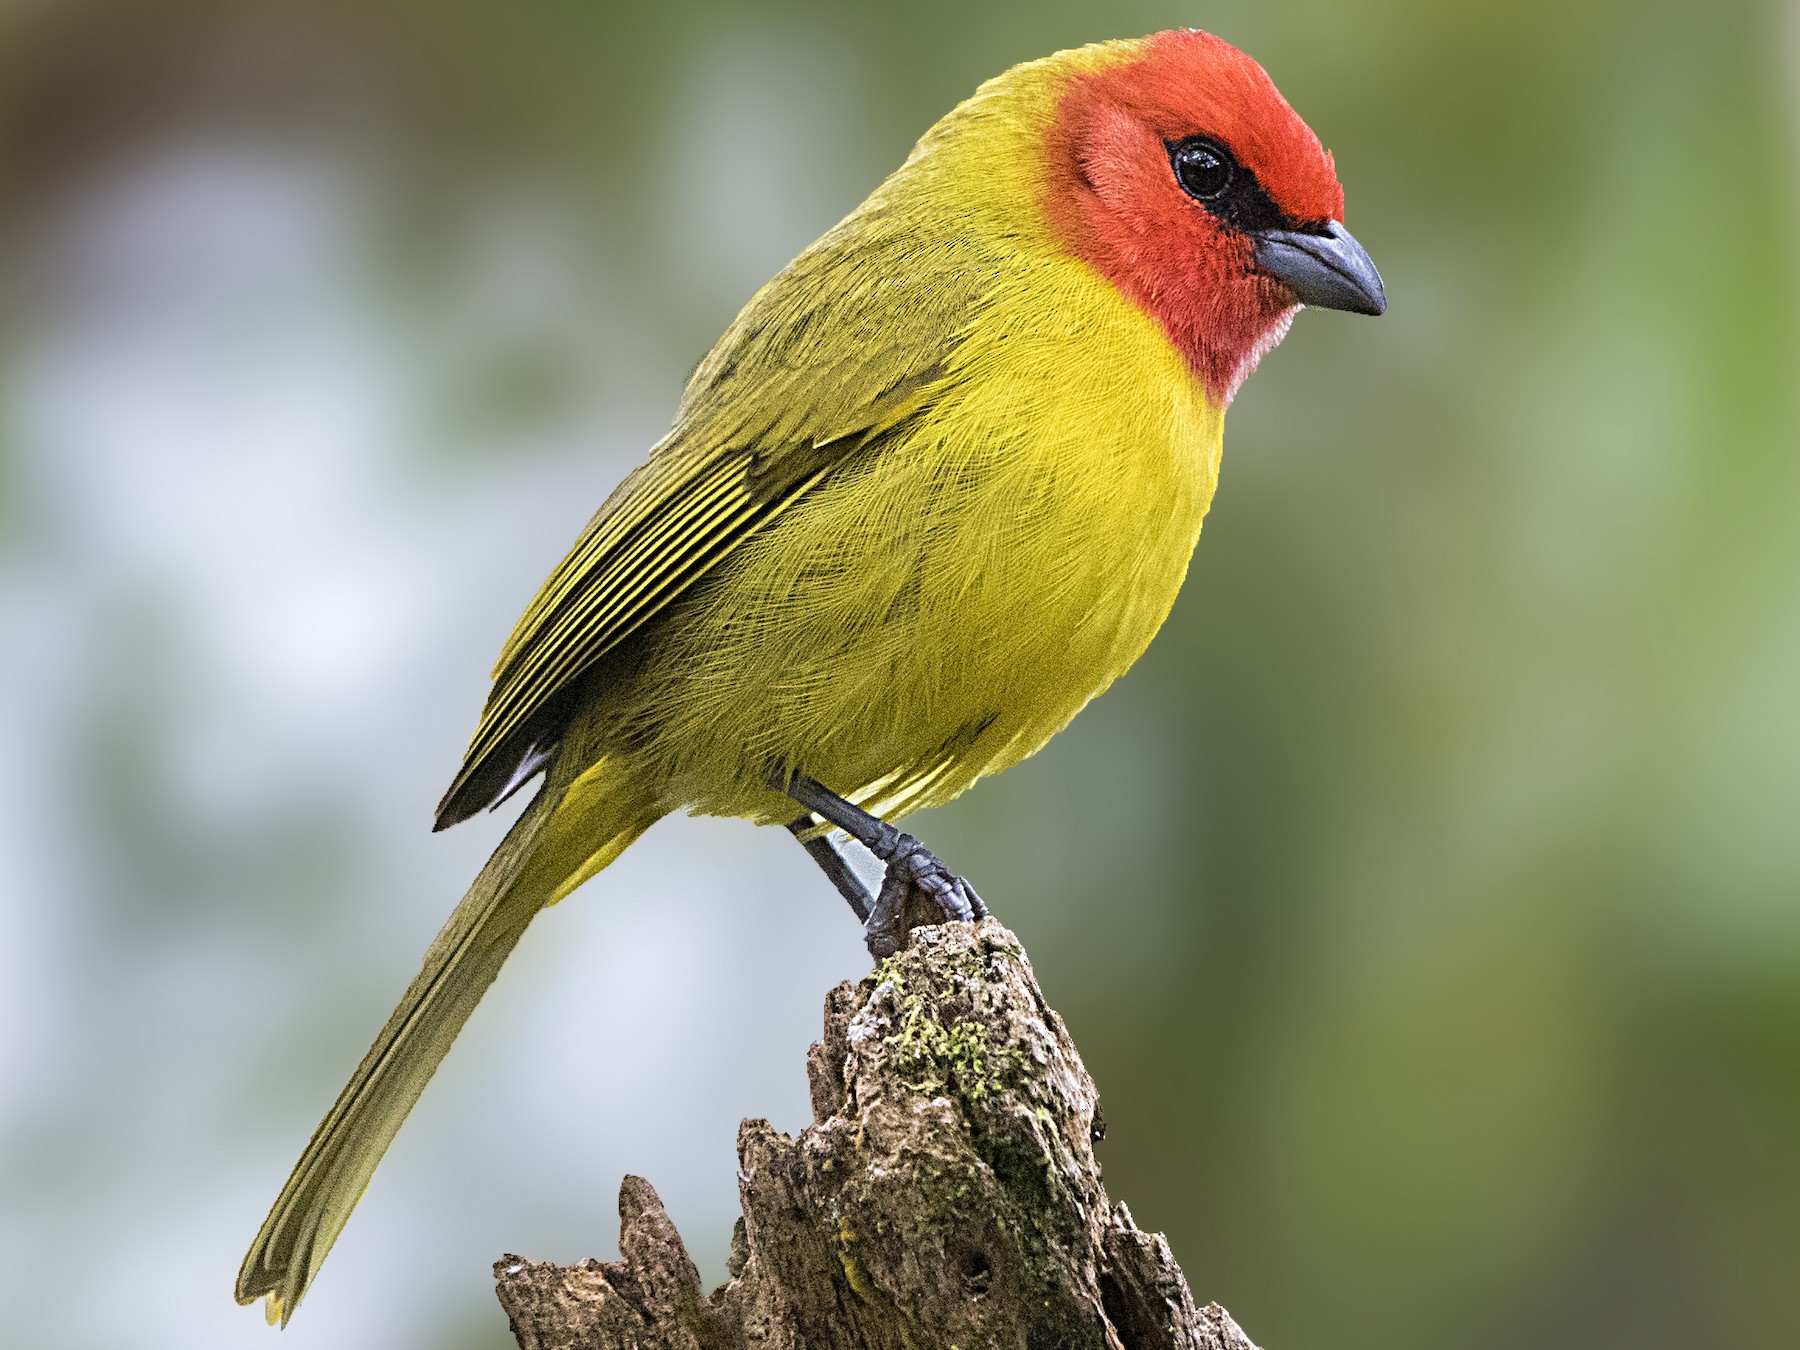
(914, 869)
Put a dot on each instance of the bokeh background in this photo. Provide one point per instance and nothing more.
(1426, 903)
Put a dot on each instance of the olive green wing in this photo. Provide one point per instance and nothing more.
(852, 341)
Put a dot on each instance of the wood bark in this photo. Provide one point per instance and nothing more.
(945, 1195)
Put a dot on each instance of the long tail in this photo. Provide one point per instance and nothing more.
(560, 841)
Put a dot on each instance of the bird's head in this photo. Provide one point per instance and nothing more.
(1179, 172)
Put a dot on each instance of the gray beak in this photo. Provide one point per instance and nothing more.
(1329, 270)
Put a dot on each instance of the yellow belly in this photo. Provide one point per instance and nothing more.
(941, 609)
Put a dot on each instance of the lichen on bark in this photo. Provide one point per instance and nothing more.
(945, 1195)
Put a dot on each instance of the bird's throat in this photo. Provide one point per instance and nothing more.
(1247, 359)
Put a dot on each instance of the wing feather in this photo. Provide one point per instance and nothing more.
(855, 338)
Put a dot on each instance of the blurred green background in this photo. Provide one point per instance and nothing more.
(1426, 903)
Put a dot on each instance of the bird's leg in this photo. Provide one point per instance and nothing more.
(832, 864)
(909, 864)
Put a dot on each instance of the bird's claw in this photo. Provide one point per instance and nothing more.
(953, 895)
(913, 867)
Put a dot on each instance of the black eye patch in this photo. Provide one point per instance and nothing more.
(1211, 175)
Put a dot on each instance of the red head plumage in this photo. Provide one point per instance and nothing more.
(1115, 202)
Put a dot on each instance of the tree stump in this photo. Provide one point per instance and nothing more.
(945, 1195)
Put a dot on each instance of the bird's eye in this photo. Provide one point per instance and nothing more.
(1202, 167)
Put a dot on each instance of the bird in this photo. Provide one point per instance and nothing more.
(935, 488)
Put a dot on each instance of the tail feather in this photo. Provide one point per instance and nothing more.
(546, 850)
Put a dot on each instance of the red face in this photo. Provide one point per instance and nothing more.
(1185, 178)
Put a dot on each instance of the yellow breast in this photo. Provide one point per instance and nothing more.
(939, 610)
(1087, 457)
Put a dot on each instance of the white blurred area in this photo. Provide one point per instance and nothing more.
(266, 547)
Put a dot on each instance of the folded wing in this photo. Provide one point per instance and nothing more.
(842, 351)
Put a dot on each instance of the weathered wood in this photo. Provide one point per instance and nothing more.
(945, 1195)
